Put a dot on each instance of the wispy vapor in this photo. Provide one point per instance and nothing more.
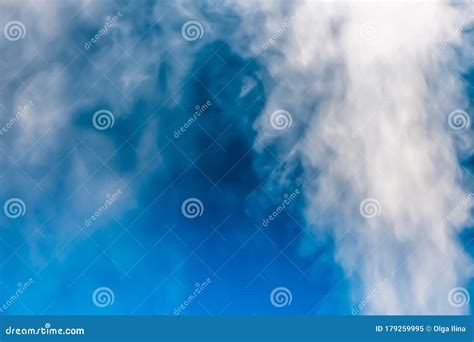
(369, 88)
(366, 102)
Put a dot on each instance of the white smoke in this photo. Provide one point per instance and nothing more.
(369, 88)
(382, 79)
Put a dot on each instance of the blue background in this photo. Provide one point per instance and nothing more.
(143, 248)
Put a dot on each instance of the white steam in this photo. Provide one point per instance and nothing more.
(372, 86)
(368, 89)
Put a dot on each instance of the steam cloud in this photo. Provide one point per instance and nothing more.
(368, 87)
(372, 86)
